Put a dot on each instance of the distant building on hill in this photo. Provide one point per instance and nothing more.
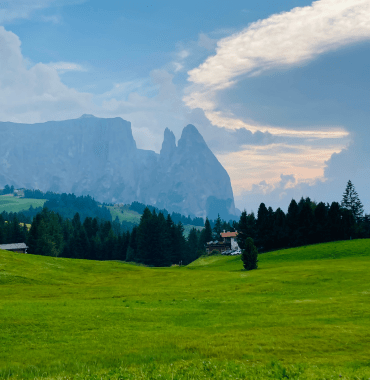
(219, 245)
(228, 243)
(230, 237)
(17, 247)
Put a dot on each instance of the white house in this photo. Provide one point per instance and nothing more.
(230, 237)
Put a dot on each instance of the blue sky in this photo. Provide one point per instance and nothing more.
(279, 90)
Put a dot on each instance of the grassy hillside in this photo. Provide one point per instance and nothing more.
(124, 214)
(9, 203)
(304, 314)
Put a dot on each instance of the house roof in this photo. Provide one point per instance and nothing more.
(228, 234)
(13, 246)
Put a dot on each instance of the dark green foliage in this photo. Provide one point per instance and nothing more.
(217, 229)
(215, 252)
(351, 201)
(7, 190)
(250, 255)
(305, 222)
(205, 236)
(279, 234)
(132, 246)
(67, 205)
(176, 217)
(292, 218)
(264, 226)
(192, 245)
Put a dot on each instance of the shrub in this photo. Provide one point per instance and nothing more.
(215, 252)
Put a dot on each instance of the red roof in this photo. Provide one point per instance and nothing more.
(228, 234)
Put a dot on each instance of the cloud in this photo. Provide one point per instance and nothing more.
(280, 41)
(11, 10)
(63, 67)
(34, 94)
(206, 42)
(286, 39)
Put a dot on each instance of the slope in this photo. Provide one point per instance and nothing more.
(302, 314)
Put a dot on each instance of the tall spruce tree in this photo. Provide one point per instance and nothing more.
(207, 231)
(192, 245)
(217, 229)
(351, 201)
(292, 219)
(242, 230)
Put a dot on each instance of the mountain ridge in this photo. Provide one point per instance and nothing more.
(99, 156)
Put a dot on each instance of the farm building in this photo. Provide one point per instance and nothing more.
(230, 237)
(16, 247)
(219, 245)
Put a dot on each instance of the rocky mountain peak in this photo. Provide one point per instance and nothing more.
(169, 144)
(191, 137)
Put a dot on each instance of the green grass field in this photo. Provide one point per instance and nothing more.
(9, 203)
(304, 314)
(124, 214)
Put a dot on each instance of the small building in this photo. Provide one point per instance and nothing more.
(219, 245)
(16, 247)
(230, 237)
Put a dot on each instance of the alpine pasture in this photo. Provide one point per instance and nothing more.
(303, 314)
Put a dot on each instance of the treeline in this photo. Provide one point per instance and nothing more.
(11, 230)
(156, 241)
(176, 217)
(67, 205)
(305, 223)
(7, 190)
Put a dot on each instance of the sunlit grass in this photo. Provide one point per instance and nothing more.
(304, 314)
(9, 203)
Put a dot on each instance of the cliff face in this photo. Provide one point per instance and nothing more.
(99, 157)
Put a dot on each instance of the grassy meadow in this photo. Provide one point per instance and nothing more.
(10, 203)
(304, 314)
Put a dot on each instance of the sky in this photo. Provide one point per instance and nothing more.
(280, 91)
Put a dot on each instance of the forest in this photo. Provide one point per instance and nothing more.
(159, 241)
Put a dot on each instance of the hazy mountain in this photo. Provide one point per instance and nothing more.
(99, 157)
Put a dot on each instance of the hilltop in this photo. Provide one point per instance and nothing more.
(302, 315)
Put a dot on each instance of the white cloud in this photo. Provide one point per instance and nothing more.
(280, 41)
(11, 10)
(286, 39)
(206, 42)
(34, 94)
(63, 67)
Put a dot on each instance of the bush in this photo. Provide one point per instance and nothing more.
(215, 252)
(249, 255)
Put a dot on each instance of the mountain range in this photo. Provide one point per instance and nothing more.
(99, 157)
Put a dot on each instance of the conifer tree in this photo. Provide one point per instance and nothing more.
(131, 254)
(242, 230)
(292, 219)
(207, 231)
(250, 255)
(192, 245)
(351, 201)
(217, 229)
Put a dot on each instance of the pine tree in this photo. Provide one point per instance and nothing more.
(351, 201)
(207, 231)
(217, 229)
(192, 245)
(132, 247)
(321, 223)
(242, 230)
(250, 255)
(292, 219)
